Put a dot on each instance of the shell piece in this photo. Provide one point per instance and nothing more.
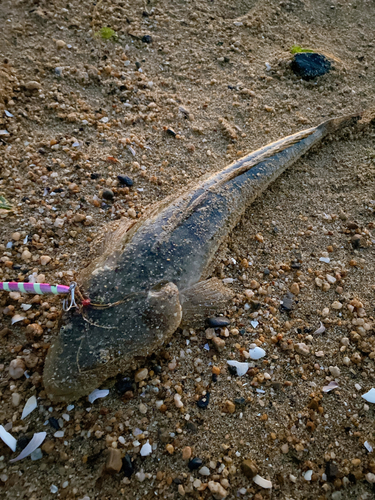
(16, 318)
(240, 367)
(321, 329)
(30, 406)
(369, 396)
(146, 450)
(257, 353)
(36, 441)
(263, 483)
(330, 386)
(307, 475)
(8, 439)
(97, 393)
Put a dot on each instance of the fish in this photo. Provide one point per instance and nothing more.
(153, 276)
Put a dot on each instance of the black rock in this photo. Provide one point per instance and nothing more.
(147, 39)
(214, 377)
(331, 471)
(218, 322)
(203, 401)
(123, 385)
(94, 176)
(124, 179)
(240, 401)
(266, 271)
(54, 423)
(108, 194)
(192, 427)
(287, 303)
(137, 65)
(232, 370)
(309, 65)
(171, 132)
(177, 480)
(127, 466)
(22, 442)
(195, 463)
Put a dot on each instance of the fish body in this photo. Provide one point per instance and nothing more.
(152, 277)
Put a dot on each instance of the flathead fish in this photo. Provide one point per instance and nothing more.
(153, 277)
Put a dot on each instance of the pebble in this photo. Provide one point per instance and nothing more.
(44, 260)
(204, 401)
(60, 44)
(309, 65)
(336, 305)
(17, 368)
(124, 179)
(36, 454)
(108, 194)
(146, 450)
(204, 471)
(218, 322)
(229, 407)
(249, 468)
(132, 213)
(114, 461)
(33, 85)
(217, 490)
(219, 343)
(186, 453)
(284, 448)
(295, 289)
(335, 371)
(302, 349)
(16, 399)
(177, 401)
(195, 463)
(147, 39)
(141, 374)
(127, 466)
(26, 255)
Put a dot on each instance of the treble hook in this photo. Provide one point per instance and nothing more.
(66, 305)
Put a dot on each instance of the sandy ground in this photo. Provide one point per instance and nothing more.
(84, 110)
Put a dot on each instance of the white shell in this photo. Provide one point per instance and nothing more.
(321, 329)
(263, 483)
(368, 446)
(16, 318)
(30, 406)
(36, 441)
(8, 439)
(257, 353)
(146, 450)
(240, 367)
(97, 393)
(307, 475)
(330, 386)
(369, 396)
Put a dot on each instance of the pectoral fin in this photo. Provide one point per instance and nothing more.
(203, 300)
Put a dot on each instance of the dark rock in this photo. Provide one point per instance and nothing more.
(191, 427)
(124, 179)
(94, 176)
(287, 303)
(22, 442)
(195, 464)
(203, 401)
(171, 132)
(114, 461)
(177, 480)
(240, 401)
(356, 241)
(295, 265)
(309, 65)
(147, 39)
(218, 322)
(266, 271)
(138, 65)
(164, 435)
(54, 423)
(124, 385)
(127, 466)
(214, 377)
(352, 225)
(249, 468)
(255, 305)
(232, 370)
(108, 194)
(331, 471)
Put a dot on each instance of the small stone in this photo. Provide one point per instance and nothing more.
(16, 236)
(26, 255)
(249, 468)
(220, 322)
(302, 349)
(370, 477)
(48, 447)
(254, 285)
(336, 305)
(204, 471)
(186, 453)
(285, 448)
(132, 213)
(60, 44)
(147, 39)
(108, 194)
(331, 280)
(217, 490)
(331, 471)
(325, 312)
(44, 260)
(17, 368)
(114, 461)
(335, 371)
(59, 222)
(294, 289)
(127, 466)
(219, 343)
(229, 407)
(195, 463)
(287, 303)
(124, 179)
(318, 282)
(32, 85)
(36, 454)
(177, 401)
(141, 374)
(34, 331)
(259, 238)
(16, 399)
(309, 65)
(170, 449)
(79, 217)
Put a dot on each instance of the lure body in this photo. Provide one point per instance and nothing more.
(152, 277)
(37, 288)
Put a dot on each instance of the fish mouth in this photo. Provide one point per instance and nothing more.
(100, 343)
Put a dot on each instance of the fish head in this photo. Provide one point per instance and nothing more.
(96, 343)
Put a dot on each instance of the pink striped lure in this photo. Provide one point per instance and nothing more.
(41, 289)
